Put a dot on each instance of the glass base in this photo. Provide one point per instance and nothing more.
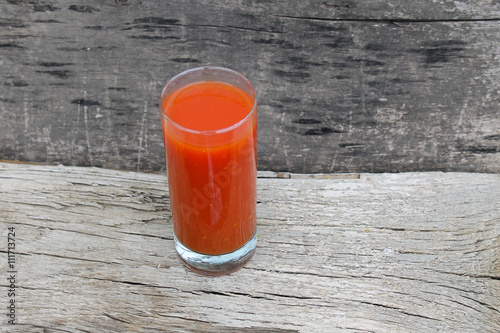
(215, 265)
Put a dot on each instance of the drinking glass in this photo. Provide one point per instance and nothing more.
(209, 122)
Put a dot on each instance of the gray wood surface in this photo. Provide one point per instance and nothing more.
(408, 252)
(343, 86)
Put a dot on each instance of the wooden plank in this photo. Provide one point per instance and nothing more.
(373, 86)
(407, 252)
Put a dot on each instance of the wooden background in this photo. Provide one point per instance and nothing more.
(343, 86)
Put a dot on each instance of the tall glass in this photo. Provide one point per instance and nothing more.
(209, 123)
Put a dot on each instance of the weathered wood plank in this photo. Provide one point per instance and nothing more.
(343, 86)
(409, 252)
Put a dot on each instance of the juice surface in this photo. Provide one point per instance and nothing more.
(208, 106)
(212, 182)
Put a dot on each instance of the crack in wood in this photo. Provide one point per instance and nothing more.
(489, 306)
(117, 319)
(147, 235)
(183, 318)
(210, 292)
(391, 307)
(291, 243)
(130, 283)
(153, 22)
(249, 295)
(292, 296)
(67, 257)
(50, 328)
(475, 276)
(462, 304)
(389, 20)
(420, 316)
(295, 273)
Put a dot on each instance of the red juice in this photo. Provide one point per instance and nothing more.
(210, 133)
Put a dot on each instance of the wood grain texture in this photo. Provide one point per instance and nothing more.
(408, 252)
(343, 86)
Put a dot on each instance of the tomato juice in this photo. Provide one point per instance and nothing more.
(210, 133)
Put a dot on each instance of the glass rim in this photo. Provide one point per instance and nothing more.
(217, 131)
